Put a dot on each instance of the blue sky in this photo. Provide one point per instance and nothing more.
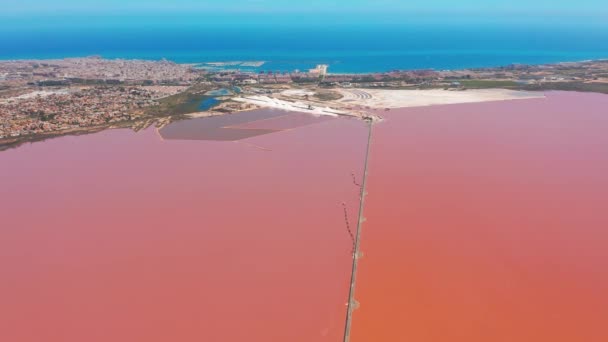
(527, 7)
(20, 15)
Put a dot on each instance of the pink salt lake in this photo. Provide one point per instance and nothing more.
(484, 222)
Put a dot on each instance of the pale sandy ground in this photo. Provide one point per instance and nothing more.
(354, 99)
(296, 106)
(201, 114)
(37, 93)
(381, 98)
(297, 92)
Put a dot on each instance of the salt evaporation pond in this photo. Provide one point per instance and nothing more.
(484, 222)
(487, 222)
(123, 236)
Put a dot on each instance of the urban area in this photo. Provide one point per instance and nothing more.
(47, 97)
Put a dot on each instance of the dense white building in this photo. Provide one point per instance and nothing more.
(320, 69)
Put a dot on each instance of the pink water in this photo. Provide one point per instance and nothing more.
(238, 126)
(487, 222)
(121, 236)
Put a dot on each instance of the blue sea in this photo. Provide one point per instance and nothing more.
(347, 48)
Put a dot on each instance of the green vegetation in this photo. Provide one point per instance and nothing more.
(480, 84)
(569, 86)
(325, 95)
(182, 103)
(175, 104)
(304, 80)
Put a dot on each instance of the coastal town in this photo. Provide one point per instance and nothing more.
(50, 97)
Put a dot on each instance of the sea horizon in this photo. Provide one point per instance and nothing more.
(349, 48)
(295, 65)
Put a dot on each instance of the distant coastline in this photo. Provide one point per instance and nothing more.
(257, 65)
(46, 98)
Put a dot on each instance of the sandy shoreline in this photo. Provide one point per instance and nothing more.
(381, 98)
(355, 102)
(269, 102)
